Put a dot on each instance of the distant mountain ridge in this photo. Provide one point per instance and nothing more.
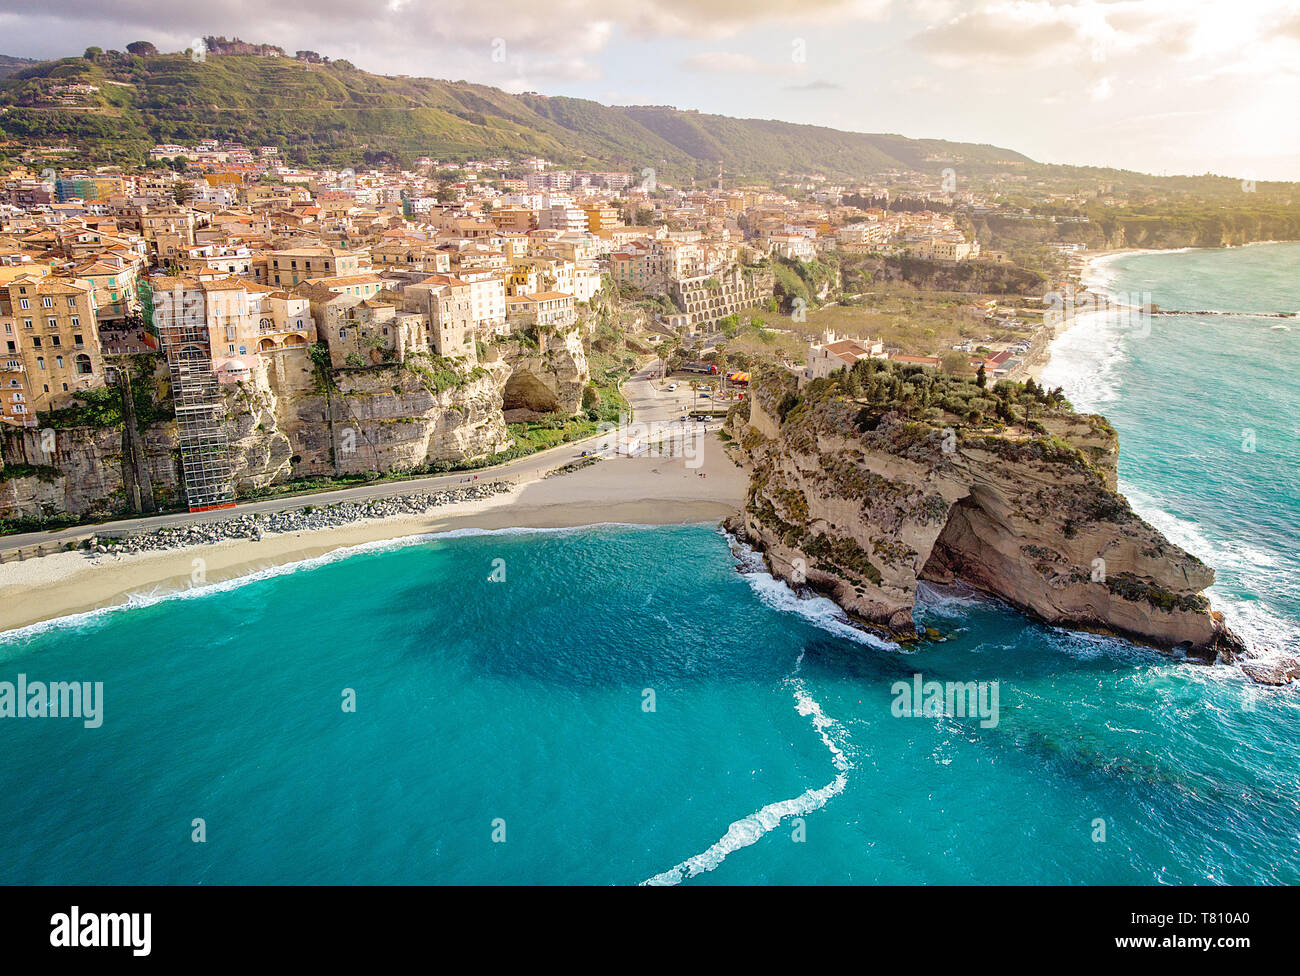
(335, 113)
(8, 64)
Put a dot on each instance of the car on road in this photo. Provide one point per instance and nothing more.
(672, 386)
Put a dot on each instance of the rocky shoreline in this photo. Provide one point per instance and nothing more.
(254, 526)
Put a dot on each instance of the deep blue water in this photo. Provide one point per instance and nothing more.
(772, 753)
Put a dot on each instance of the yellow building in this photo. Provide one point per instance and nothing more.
(601, 218)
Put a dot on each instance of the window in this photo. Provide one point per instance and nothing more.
(76, 321)
(47, 302)
(36, 342)
(82, 362)
(27, 323)
(24, 303)
(58, 360)
(72, 301)
(40, 364)
(56, 340)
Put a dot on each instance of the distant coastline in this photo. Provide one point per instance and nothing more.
(1088, 277)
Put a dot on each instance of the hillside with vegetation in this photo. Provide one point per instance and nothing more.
(323, 111)
(10, 65)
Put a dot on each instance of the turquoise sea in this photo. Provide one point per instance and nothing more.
(635, 703)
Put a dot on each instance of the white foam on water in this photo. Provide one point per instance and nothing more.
(139, 600)
(749, 830)
(1085, 359)
(1259, 571)
(820, 611)
(950, 600)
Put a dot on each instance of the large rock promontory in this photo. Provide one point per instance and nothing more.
(865, 483)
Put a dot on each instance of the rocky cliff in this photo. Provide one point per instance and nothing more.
(548, 372)
(289, 420)
(866, 483)
(295, 419)
(83, 472)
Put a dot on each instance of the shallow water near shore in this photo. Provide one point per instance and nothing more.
(619, 704)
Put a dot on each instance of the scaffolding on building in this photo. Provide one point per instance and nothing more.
(200, 410)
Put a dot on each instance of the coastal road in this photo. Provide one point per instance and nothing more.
(649, 405)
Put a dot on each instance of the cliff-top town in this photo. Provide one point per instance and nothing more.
(233, 267)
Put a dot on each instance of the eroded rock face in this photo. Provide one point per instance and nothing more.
(1031, 518)
(387, 418)
(83, 475)
(548, 377)
(280, 424)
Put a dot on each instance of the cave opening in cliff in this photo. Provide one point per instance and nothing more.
(961, 552)
(526, 397)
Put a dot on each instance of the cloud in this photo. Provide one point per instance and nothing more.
(1100, 91)
(1039, 33)
(819, 85)
(1028, 34)
(385, 32)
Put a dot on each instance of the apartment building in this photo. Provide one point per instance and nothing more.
(563, 217)
(231, 259)
(295, 265)
(795, 247)
(242, 319)
(862, 234)
(57, 338)
(487, 291)
(365, 285)
(114, 285)
(545, 308)
(943, 250)
(416, 255)
(601, 217)
(16, 408)
(168, 231)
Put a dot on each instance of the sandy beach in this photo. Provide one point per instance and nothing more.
(650, 491)
(1087, 275)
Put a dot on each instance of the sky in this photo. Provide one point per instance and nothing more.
(1161, 86)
